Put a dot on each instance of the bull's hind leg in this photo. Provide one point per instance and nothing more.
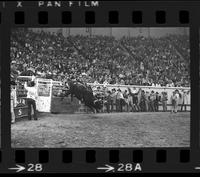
(92, 109)
(97, 110)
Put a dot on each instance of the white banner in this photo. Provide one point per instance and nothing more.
(44, 93)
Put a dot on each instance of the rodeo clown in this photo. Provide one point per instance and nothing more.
(31, 98)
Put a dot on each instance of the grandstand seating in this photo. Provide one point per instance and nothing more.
(130, 60)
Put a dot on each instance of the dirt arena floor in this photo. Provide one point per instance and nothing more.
(104, 130)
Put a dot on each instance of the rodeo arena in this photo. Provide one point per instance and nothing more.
(100, 87)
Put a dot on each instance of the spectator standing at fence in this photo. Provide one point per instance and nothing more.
(120, 100)
(133, 96)
(147, 100)
(31, 99)
(184, 100)
(139, 94)
(152, 100)
(164, 101)
(135, 102)
(142, 101)
(174, 100)
(130, 101)
(156, 102)
(125, 95)
(177, 100)
(117, 100)
(113, 99)
(13, 98)
(108, 101)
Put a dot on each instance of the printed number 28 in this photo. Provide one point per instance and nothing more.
(34, 167)
(125, 167)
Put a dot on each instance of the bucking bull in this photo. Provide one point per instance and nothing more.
(84, 94)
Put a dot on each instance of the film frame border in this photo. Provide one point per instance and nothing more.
(79, 155)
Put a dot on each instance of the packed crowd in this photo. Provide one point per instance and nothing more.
(102, 59)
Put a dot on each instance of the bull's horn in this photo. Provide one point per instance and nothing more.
(95, 101)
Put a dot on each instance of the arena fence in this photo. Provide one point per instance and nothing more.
(48, 99)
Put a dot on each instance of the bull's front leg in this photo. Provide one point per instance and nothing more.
(71, 97)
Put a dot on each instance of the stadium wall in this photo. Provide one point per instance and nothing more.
(117, 32)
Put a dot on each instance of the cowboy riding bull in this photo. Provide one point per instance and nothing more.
(84, 93)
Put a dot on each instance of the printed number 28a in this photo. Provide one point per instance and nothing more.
(34, 167)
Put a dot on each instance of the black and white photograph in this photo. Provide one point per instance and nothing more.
(100, 87)
(199, 86)
(0, 94)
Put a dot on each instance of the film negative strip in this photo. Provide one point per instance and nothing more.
(99, 87)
